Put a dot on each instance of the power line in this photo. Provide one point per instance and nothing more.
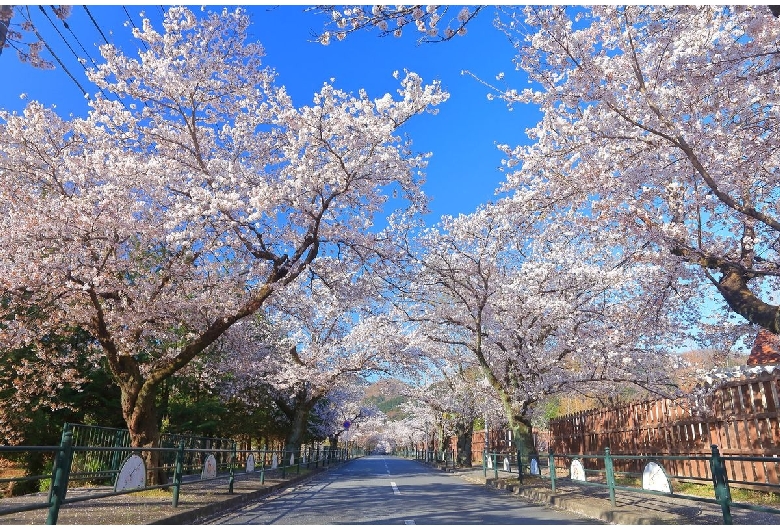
(67, 26)
(130, 19)
(96, 24)
(68, 44)
(62, 37)
(65, 68)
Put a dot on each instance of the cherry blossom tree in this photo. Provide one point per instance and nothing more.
(341, 412)
(452, 385)
(184, 204)
(316, 342)
(430, 23)
(664, 116)
(664, 119)
(540, 307)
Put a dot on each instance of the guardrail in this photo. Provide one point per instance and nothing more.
(600, 470)
(233, 464)
(513, 462)
(448, 456)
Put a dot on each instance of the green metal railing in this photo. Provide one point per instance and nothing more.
(606, 471)
(602, 468)
(99, 465)
(511, 462)
(446, 457)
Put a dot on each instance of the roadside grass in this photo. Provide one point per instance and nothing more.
(157, 493)
(762, 498)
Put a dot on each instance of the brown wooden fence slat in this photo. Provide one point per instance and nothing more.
(741, 417)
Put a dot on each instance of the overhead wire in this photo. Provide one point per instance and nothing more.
(67, 26)
(130, 19)
(95, 24)
(79, 59)
(56, 57)
(70, 47)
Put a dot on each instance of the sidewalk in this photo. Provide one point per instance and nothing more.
(632, 508)
(196, 501)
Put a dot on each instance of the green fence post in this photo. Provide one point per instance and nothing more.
(178, 470)
(298, 469)
(721, 484)
(62, 464)
(284, 467)
(519, 466)
(551, 458)
(610, 475)
(495, 464)
(484, 464)
(262, 468)
(232, 469)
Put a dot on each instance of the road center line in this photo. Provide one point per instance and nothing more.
(395, 488)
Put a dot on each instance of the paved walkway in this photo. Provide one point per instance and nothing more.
(196, 500)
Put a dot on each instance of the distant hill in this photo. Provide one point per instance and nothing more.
(387, 396)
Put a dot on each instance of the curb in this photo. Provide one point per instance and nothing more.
(590, 507)
(587, 506)
(191, 516)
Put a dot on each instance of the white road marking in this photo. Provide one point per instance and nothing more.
(395, 488)
(409, 521)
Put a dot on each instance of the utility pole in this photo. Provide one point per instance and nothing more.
(5, 21)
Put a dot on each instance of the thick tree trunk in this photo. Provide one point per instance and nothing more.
(140, 414)
(521, 435)
(734, 287)
(441, 444)
(465, 433)
(518, 424)
(300, 422)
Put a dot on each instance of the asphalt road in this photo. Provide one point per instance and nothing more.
(391, 490)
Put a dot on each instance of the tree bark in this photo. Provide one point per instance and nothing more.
(465, 433)
(140, 414)
(521, 433)
(519, 425)
(441, 446)
(733, 286)
(300, 422)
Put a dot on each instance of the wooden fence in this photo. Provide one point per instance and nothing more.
(741, 417)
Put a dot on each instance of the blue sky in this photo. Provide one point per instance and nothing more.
(463, 171)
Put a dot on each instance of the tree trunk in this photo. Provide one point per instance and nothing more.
(518, 424)
(733, 286)
(300, 422)
(441, 446)
(465, 433)
(521, 434)
(140, 414)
